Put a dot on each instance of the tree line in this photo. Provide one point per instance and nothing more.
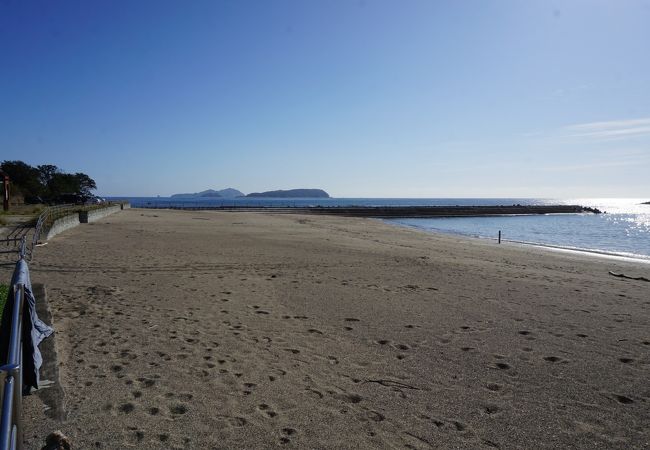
(46, 183)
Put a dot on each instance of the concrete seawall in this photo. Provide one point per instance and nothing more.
(61, 224)
(96, 214)
(72, 220)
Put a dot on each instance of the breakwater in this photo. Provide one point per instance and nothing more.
(400, 211)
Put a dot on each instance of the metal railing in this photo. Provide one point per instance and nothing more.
(45, 219)
(11, 374)
(19, 240)
(16, 240)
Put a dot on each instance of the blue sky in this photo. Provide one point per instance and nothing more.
(361, 98)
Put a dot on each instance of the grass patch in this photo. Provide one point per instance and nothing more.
(24, 210)
(4, 292)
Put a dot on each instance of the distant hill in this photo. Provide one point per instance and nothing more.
(292, 193)
(645, 203)
(230, 193)
(224, 193)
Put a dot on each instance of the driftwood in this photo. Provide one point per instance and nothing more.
(622, 275)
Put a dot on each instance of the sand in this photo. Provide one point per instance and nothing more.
(242, 330)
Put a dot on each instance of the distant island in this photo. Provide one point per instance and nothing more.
(645, 203)
(234, 193)
(211, 193)
(292, 193)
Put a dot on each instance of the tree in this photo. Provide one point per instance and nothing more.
(23, 177)
(46, 181)
(46, 172)
(85, 184)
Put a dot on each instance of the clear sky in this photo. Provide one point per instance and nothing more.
(369, 98)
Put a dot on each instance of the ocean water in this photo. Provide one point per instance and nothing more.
(161, 202)
(623, 230)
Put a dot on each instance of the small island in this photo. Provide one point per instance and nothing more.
(292, 193)
(211, 193)
(645, 203)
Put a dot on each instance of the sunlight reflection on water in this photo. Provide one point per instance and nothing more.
(624, 230)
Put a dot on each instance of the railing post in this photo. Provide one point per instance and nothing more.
(7, 410)
(10, 421)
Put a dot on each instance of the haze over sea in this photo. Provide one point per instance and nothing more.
(623, 231)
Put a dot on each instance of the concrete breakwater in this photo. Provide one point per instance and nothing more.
(452, 211)
(408, 211)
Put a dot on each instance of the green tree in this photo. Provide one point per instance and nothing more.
(63, 183)
(24, 178)
(85, 184)
(46, 181)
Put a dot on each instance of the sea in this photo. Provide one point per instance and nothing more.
(623, 230)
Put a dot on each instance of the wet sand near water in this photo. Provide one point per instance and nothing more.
(180, 329)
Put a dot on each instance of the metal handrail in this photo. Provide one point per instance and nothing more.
(46, 216)
(12, 374)
(43, 224)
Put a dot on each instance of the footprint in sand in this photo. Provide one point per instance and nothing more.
(266, 410)
(491, 409)
(349, 398)
(178, 409)
(314, 393)
(552, 359)
(623, 399)
(126, 408)
(146, 382)
(459, 426)
(237, 421)
(375, 416)
(287, 431)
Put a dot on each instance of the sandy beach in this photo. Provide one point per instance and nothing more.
(206, 330)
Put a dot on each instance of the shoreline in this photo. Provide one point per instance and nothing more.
(596, 253)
